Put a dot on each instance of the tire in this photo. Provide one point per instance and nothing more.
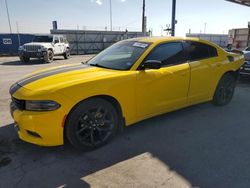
(91, 124)
(225, 90)
(24, 59)
(49, 57)
(66, 55)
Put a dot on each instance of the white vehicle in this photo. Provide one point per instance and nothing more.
(45, 47)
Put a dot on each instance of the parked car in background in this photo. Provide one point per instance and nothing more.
(135, 79)
(247, 49)
(45, 47)
(245, 69)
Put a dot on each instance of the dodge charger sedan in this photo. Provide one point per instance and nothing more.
(135, 79)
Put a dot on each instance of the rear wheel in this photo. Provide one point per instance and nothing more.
(66, 54)
(24, 59)
(91, 124)
(225, 90)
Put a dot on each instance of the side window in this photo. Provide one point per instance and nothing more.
(65, 40)
(198, 51)
(168, 53)
(61, 39)
(212, 51)
(56, 39)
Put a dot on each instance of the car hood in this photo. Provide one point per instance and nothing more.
(45, 44)
(62, 76)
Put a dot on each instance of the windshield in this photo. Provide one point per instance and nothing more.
(247, 49)
(43, 39)
(120, 56)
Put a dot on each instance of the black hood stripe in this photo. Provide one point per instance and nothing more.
(42, 75)
(46, 72)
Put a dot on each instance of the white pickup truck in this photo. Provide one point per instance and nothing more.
(45, 47)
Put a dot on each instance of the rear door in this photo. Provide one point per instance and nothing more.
(164, 89)
(203, 60)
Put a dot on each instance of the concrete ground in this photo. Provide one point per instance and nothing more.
(200, 146)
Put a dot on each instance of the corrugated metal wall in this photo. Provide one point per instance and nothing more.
(87, 42)
(219, 39)
(9, 43)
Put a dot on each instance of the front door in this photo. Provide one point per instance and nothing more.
(57, 45)
(164, 89)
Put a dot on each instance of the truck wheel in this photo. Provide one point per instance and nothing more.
(49, 57)
(24, 59)
(91, 124)
(225, 90)
(66, 54)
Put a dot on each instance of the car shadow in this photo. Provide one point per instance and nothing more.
(208, 146)
(31, 62)
(244, 80)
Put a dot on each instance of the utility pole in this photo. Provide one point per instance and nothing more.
(7, 9)
(143, 18)
(18, 36)
(110, 6)
(173, 17)
(205, 27)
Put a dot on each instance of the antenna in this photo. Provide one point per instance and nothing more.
(7, 9)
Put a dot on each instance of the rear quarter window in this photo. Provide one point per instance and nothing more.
(198, 51)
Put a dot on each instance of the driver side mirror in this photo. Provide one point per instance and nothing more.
(152, 64)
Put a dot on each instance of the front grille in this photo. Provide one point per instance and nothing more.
(19, 104)
(32, 48)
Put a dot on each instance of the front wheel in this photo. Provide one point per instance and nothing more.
(225, 90)
(24, 59)
(48, 58)
(91, 124)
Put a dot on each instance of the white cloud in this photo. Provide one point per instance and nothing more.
(99, 2)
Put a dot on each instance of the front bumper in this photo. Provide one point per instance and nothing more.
(245, 69)
(40, 128)
(37, 54)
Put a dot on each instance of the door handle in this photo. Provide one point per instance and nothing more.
(218, 65)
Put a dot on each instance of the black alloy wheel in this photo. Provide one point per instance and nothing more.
(91, 124)
(225, 90)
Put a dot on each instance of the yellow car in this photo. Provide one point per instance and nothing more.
(135, 79)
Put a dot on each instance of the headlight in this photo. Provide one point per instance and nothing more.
(43, 48)
(41, 105)
(20, 48)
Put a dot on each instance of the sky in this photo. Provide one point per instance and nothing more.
(35, 16)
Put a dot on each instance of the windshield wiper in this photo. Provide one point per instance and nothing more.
(98, 65)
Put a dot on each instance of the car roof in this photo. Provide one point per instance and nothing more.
(167, 39)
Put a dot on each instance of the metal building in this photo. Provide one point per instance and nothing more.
(87, 41)
(219, 39)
